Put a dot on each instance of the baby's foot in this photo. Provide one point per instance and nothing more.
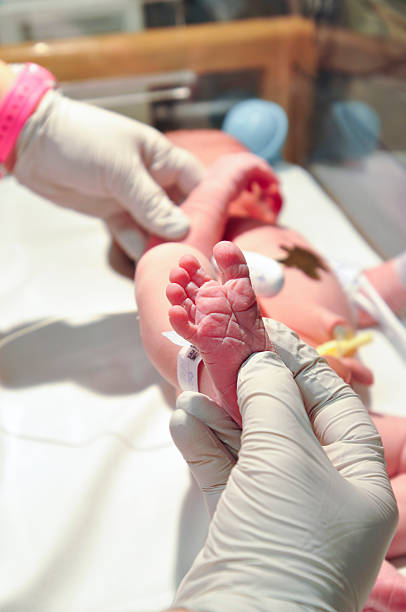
(221, 319)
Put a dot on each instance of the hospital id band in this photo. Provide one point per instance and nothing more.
(187, 368)
(30, 85)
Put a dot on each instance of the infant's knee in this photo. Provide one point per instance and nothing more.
(157, 256)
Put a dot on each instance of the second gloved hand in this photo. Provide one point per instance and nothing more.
(103, 164)
(307, 513)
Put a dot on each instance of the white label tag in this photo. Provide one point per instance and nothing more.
(187, 369)
(175, 338)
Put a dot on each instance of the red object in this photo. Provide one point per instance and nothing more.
(19, 103)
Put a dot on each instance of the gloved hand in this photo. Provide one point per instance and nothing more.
(308, 511)
(106, 165)
(209, 440)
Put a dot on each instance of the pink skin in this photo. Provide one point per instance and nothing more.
(221, 319)
(388, 593)
(246, 181)
(310, 307)
(207, 207)
(245, 172)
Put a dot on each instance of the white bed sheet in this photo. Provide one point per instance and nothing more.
(98, 511)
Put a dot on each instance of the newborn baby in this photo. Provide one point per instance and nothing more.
(238, 201)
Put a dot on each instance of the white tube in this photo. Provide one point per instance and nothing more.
(371, 301)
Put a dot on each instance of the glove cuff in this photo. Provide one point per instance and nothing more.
(32, 82)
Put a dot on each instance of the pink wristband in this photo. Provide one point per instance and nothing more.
(20, 102)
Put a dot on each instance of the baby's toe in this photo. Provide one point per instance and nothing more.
(179, 276)
(175, 294)
(230, 261)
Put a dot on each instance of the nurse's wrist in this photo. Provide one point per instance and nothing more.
(7, 81)
(23, 86)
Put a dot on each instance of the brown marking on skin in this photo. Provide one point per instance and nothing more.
(304, 260)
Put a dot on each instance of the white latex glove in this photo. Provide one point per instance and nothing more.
(209, 441)
(308, 511)
(103, 164)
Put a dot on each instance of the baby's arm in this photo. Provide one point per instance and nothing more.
(209, 203)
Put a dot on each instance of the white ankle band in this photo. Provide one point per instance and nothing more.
(188, 365)
(188, 362)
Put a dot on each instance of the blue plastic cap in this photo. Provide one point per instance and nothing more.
(260, 125)
(350, 130)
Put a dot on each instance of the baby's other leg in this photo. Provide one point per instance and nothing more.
(223, 321)
(392, 430)
(207, 205)
(151, 279)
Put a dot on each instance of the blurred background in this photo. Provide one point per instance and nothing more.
(337, 68)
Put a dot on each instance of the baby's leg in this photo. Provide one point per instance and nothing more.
(152, 275)
(221, 319)
(207, 209)
(225, 180)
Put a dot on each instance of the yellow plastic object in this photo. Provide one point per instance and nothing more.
(345, 346)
